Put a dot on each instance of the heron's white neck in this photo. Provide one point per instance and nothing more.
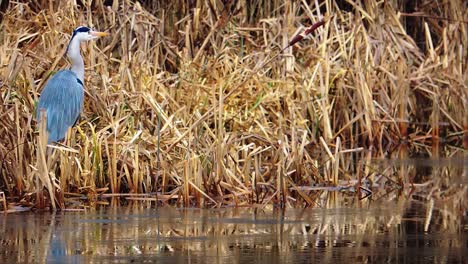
(76, 59)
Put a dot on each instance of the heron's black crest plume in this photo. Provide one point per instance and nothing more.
(80, 29)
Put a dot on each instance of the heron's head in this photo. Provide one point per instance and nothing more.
(85, 33)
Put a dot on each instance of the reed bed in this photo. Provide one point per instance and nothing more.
(189, 104)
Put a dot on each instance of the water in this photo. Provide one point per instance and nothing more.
(391, 233)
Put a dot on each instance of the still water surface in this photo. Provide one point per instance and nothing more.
(372, 232)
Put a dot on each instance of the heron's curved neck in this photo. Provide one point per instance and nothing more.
(76, 59)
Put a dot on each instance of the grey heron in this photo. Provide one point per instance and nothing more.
(62, 96)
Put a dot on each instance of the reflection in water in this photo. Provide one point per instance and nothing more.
(375, 232)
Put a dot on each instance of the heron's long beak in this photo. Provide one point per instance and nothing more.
(99, 34)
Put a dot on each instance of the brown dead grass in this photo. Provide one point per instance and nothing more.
(182, 108)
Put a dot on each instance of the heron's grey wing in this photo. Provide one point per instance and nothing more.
(62, 98)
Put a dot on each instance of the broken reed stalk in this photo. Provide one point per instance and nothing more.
(186, 192)
(402, 102)
(158, 153)
(43, 172)
(435, 126)
(4, 201)
(211, 110)
(465, 126)
(336, 164)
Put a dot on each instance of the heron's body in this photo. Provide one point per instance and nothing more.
(62, 97)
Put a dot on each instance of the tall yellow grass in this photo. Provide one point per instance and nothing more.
(178, 106)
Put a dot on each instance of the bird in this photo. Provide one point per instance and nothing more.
(63, 95)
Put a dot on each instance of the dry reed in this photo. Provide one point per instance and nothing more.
(190, 108)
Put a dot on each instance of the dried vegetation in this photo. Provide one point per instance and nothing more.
(181, 106)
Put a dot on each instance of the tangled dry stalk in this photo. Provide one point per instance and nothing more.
(178, 108)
